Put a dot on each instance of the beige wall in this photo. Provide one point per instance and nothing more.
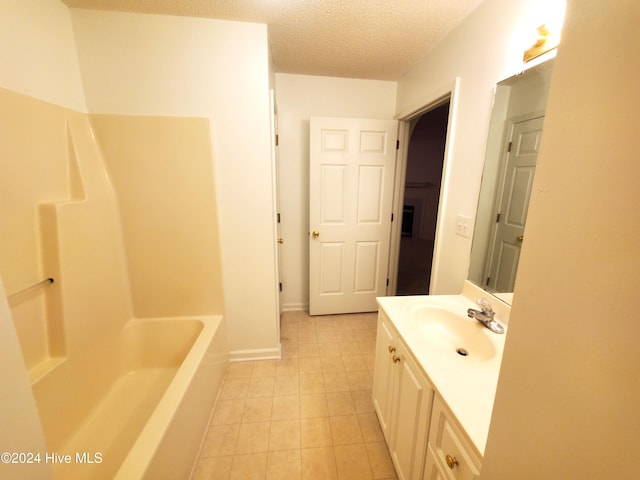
(135, 64)
(568, 395)
(38, 52)
(299, 97)
(485, 48)
(161, 169)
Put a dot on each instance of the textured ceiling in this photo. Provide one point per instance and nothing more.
(374, 39)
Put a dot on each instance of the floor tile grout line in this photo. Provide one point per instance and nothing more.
(362, 352)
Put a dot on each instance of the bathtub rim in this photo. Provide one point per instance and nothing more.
(141, 454)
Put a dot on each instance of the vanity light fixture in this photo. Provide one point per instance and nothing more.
(545, 42)
(548, 33)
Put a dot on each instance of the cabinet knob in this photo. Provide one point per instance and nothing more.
(392, 349)
(396, 359)
(451, 461)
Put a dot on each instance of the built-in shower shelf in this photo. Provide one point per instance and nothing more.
(42, 368)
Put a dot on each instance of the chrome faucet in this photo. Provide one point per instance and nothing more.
(485, 315)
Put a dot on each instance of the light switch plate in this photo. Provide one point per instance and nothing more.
(463, 226)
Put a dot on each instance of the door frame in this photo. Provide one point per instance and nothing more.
(275, 180)
(434, 99)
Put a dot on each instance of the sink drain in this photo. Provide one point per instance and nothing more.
(462, 351)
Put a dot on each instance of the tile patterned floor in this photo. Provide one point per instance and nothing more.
(306, 416)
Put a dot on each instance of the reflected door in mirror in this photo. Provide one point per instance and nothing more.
(519, 170)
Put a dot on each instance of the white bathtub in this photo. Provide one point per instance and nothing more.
(151, 422)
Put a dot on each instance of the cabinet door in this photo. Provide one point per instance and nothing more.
(412, 410)
(432, 470)
(447, 439)
(383, 373)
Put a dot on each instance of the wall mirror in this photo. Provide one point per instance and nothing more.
(515, 132)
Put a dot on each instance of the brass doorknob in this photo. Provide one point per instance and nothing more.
(396, 359)
(315, 234)
(281, 241)
(519, 238)
(451, 461)
(392, 349)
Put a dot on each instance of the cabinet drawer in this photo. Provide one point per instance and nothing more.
(451, 449)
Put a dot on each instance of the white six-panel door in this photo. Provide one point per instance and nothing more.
(519, 171)
(352, 164)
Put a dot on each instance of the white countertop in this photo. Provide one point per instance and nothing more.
(466, 384)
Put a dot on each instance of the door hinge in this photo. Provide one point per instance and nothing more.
(488, 280)
(498, 218)
(387, 282)
(278, 218)
(277, 139)
(392, 217)
(509, 146)
(397, 144)
(280, 286)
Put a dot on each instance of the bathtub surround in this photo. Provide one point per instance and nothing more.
(167, 66)
(65, 220)
(36, 169)
(162, 172)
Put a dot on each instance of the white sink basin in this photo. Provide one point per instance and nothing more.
(456, 333)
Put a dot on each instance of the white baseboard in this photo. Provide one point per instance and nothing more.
(257, 354)
(291, 307)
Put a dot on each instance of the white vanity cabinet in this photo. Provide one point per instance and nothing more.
(434, 431)
(402, 398)
(384, 372)
(435, 404)
(450, 455)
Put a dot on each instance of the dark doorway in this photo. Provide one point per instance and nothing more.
(425, 158)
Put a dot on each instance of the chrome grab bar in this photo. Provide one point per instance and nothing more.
(46, 281)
